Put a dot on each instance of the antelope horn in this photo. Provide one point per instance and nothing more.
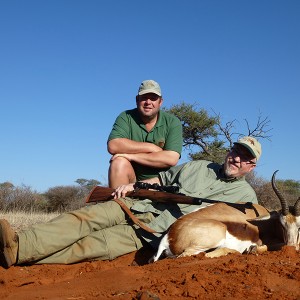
(297, 208)
(284, 206)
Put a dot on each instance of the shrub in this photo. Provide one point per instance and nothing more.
(64, 198)
(289, 189)
(18, 198)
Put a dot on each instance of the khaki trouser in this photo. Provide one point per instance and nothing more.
(96, 232)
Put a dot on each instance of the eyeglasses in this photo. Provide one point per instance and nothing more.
(244, 157)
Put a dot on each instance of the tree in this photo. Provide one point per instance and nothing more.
(87, 184)
(200, 130)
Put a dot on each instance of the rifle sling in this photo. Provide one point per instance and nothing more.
(133, 217)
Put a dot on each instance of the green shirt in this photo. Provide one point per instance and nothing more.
(203, 179)
(167, 134)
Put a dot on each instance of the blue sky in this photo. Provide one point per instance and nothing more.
(69, 67)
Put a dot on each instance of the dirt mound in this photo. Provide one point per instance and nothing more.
(272, 275)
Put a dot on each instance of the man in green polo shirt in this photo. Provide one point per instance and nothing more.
(104, 231)
(145, 140)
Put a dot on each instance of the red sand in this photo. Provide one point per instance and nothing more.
(272, 275)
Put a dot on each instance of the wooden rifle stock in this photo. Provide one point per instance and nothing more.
(100, 193)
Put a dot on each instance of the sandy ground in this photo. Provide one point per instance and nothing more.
(272, 275)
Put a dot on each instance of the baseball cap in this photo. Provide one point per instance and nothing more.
(149, 86)
(251, 144)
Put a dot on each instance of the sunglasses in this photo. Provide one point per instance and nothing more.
(244, 157)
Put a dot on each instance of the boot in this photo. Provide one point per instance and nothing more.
(8, 245)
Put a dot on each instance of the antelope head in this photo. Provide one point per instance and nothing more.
(289, 218)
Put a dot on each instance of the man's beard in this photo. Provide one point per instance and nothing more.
(228, 170)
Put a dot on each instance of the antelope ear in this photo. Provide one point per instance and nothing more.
(271, 216)
(260, 218)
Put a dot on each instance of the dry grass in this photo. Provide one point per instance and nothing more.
(21, 220)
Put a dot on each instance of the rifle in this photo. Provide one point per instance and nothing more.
(156, 193)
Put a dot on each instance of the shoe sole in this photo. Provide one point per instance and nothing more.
(8, 245)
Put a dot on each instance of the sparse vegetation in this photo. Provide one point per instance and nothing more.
(20, 220)
(57, 199)
(22, 206)
(290, 189)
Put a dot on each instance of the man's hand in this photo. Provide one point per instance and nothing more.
(120, 192)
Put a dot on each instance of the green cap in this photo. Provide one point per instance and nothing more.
(149, 86)
(251, 144)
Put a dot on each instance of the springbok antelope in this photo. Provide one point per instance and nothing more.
(219, 229)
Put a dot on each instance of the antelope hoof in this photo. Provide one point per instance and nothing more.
(220, 252)
(258, 249)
